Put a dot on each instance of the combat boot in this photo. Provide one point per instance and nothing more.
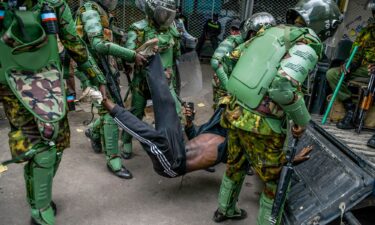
(347, 122)
(122, 173)
(127, 151)
(96, 144)
(52, 206)
(371, 142)
(228, 197)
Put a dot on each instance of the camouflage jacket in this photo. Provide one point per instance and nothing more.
(169, 42)
(238, 117)
(366, 43)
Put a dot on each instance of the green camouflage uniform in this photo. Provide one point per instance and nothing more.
(255, 135)
(220, 65)
(99, 38)
(365, 55)
(39, 126)
(169, 49)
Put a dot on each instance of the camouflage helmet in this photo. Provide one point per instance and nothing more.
(323, 16)
(108, 4)
(256, 22)
(162, 12)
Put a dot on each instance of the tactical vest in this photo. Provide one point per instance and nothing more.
(166, 43)
(30, 63)
(263, 55)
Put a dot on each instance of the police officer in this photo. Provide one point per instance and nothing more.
(32, 91)
(211, 31)
(160, 15)
(222, 62)
(93, 26)
(261, 102)
(364, 58)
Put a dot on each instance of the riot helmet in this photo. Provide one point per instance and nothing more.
(141, 5)
(108, 4)
(322, 16)
(162, 12)
(253, 24)
(371, 6)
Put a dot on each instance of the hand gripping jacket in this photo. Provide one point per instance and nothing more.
(224, 48)
(279, 64)
(93, 25)
(169, 40)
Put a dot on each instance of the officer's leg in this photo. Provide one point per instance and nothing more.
(333, 76)
(39, 172)
(93, 133)
(232, 181)
(344, 95)
(266, 156)
(110, 136)
(214, 43)
(200, 44)
(137, 108)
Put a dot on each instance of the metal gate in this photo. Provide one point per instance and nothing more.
(199, 11)
(276, 8)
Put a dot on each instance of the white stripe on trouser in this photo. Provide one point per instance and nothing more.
(154, 149)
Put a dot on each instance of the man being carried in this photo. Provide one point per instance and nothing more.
(170, 155)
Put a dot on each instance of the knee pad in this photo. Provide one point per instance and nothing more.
(111, 135)
(39, 172)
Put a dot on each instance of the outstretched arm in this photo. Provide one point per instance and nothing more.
(90, 19)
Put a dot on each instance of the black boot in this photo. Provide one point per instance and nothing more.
(96, 144)
(220, 217)
(53, 205)
(371, 142)
(122, 173)
(347, 122)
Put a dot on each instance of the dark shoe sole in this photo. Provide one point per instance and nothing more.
(126, 155)
(219, 217)
(53, 205)
(119, 173)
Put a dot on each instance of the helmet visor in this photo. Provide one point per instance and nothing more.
(163, 16)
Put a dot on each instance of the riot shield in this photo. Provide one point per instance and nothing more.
(189, 74)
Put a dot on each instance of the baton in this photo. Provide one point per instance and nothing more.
(339, 85)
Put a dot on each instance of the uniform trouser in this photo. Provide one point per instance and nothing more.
(217, 93)
(106, 130)
(164, 143)
(265, 152)
(333, 77)
(23, 136)
(140, 94)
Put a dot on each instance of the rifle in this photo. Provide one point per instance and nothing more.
(339, 85)
(367, 100)
(284, 183)
(112, 83)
